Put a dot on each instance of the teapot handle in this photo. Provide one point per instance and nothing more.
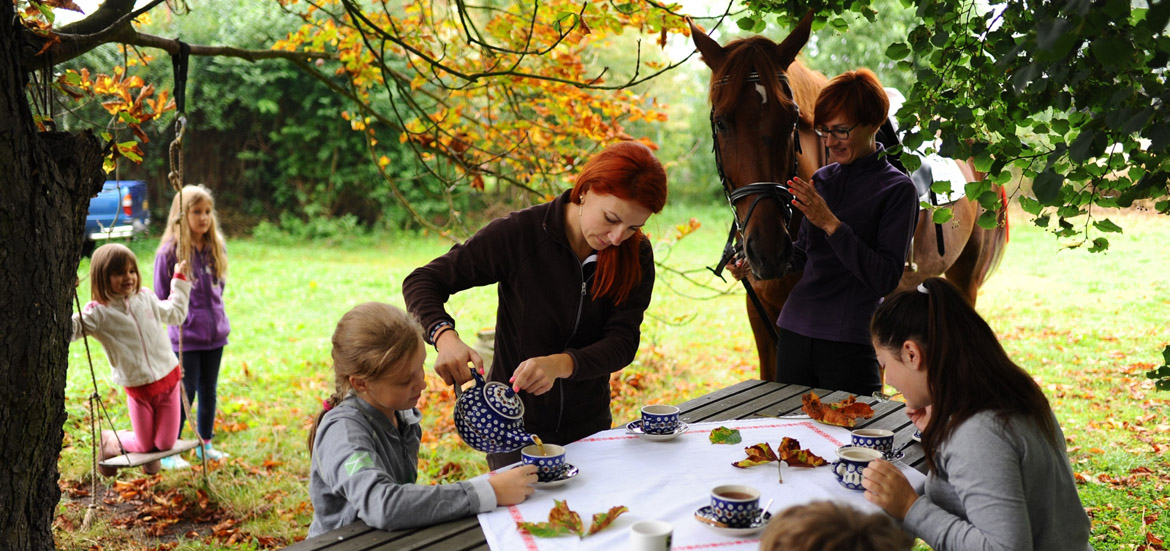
(474, 375)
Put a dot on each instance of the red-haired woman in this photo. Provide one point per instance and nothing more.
(573, 276)
(860, 214)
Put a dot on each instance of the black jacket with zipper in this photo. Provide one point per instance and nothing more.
(545, 307)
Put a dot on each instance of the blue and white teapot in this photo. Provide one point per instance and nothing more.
(490, 417)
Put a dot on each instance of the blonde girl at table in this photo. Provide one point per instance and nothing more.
(364, 445)
(999, 475)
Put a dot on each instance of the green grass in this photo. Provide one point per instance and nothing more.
(1086, 326)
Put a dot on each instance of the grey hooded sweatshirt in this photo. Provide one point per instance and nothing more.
(365, 468)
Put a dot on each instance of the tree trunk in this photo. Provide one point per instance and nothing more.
(46, 180)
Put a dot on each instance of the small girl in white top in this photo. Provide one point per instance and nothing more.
(127, 320)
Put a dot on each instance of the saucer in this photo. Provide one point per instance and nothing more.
(635, 427)
(569, 474)
(704, 516)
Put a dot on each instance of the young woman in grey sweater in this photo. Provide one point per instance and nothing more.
(999, 474)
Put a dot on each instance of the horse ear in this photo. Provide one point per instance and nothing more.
(787, 50)
(711, 51)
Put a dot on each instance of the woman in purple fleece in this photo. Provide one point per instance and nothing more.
(860, 212)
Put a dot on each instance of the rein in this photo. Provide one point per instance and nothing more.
(780, 192)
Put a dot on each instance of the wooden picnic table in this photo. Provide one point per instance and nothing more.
(745, 400)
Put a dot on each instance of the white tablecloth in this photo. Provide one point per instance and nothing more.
(670, 481)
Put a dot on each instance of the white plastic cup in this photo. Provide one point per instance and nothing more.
(650, 535)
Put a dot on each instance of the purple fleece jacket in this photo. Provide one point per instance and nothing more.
(207, 325)
(847, 274)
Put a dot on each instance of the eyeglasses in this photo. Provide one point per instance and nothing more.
(838, 132)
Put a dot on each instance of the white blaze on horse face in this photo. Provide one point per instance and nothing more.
(763, 93)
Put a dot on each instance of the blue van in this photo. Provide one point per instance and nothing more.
(119, 211)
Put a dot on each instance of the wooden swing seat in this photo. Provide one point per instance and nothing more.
(135, 459)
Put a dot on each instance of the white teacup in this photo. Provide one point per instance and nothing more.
(650, 535)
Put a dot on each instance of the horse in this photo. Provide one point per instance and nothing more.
(762, 101)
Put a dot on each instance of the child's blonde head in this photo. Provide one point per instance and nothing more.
(189, 197)
(109, 259)
(831, 526)
(373, 340)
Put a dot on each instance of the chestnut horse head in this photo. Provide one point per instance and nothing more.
(757, 112)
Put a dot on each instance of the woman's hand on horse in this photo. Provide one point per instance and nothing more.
(454, 355)
(813, 205)
(537, 375)
(886, 487)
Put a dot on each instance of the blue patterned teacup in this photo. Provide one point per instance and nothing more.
(852, 462)
(549, 466)
(735, 505)
(878, 439)
(659, 419)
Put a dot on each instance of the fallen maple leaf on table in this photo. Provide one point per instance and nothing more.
(758, 454)
(789, 451)
(563, 521)
(843, 414)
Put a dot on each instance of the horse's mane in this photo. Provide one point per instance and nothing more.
(756, 54)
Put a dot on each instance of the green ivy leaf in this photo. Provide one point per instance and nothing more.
(942, 215)
(1107, 226)
(747, 23)
(1099, 244)
(1047, 186)
(898, 50)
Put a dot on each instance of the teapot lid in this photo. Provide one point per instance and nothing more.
(503, 400)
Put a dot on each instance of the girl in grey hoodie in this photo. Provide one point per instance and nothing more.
(364, 445)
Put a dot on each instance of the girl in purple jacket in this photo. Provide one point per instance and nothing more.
(204, 334)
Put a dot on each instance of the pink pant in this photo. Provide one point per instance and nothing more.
(155, 422)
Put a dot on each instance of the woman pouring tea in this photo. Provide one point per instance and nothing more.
(573, 278)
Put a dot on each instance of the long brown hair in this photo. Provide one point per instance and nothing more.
(181, 248)
(372, 340)
(967, 370)
(106, 260)
(627, 170)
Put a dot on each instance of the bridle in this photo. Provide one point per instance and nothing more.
(778, 191)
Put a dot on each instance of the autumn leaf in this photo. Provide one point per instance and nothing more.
(724, 435)
(562, 521)
(758, 454)
(602, 520)
(791, 452)
(843, 414)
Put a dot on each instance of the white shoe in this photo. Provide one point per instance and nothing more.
(174, 462)
(212, 453)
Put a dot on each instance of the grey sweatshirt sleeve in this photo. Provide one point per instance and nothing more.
(1000, 487)
(349, 467)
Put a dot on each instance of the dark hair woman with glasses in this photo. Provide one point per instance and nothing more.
(860, 214)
